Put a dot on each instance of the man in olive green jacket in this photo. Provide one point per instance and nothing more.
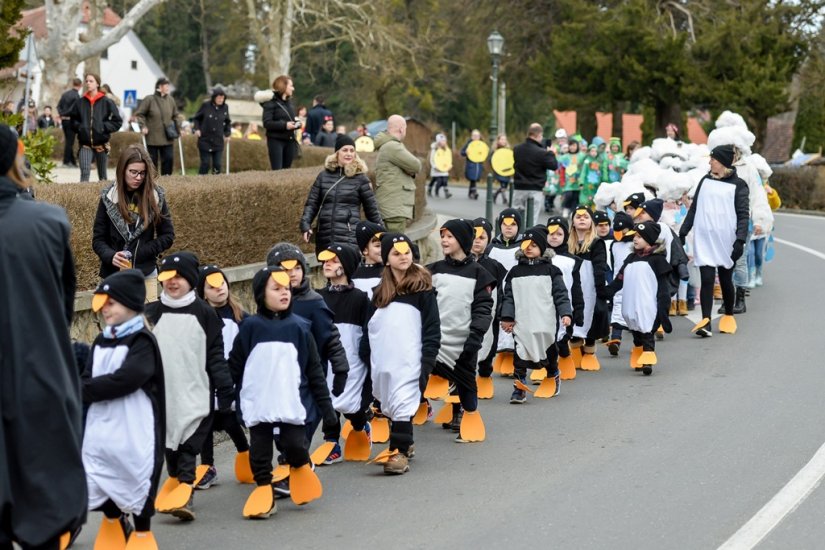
(395, 172)
(155, 113)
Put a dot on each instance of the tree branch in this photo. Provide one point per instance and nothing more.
(119, 31)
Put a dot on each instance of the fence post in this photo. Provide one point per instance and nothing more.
(529, 215)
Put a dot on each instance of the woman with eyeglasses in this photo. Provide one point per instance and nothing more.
(133, 225)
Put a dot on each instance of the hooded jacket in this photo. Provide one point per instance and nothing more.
(395, 172)
(336, 199)
(212, 120)
(277, 112)
(95, 121)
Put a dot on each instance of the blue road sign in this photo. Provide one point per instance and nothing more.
(130, 99)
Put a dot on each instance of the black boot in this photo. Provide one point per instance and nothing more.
(739, 304)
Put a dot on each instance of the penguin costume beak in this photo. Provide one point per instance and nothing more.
(98, 301)
(526, 244)
(479, 231)
(289, 264)
(402, 246)
(215, 280)
(325, 255)
(618, 235)
(166, 275)
(509, 220)
(552, 229)
(281, 278)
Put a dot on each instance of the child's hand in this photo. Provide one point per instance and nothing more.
(566, 320)
(507, 326)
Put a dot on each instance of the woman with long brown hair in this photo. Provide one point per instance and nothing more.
(404, 334)
(133, 226)
(280, 121)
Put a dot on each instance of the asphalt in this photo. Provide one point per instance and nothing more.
(680, 459)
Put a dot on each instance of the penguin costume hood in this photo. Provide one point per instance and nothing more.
(286, 255)
(398, 241)
(211, 274)
(481, 225)
(622, 223)
(183, 264)
(365, 231)
(346, 254)
(277, 274)
(634, 200)
(535, 235)
(653, 207)
(509, 216)
(127, 287)
(463, 232)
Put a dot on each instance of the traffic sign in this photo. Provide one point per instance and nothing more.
(130, 99)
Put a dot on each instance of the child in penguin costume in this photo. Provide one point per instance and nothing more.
(570, 267)
(350, 306)
(403, 337)
(311, 306)
(213, 286)
(368, 274)
(274, 355)
(602, 222)
(481, 245)
(620, 248)
(643, 280)
(125, 428)
(585, 243)
(465, 302)
(190, 337)
(632, 203)
(535, 304)
(503, 249)
(718, 216)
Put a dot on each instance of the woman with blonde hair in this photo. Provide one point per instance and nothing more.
(133, 225)
(279, 121)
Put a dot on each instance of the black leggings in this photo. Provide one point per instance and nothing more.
(464, 377)
(291, 439)
(708, 273)
(281, 153)
(229, 424)
(111, 511)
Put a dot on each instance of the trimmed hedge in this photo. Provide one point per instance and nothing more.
(800, 188)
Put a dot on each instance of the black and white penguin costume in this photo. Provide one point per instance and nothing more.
(535, 298)
(367, 276)
(594, 265)
(489, 344)
(620, 249)
(125, 424)
(465, 302)
(190, 337)
(570, 267)
(600, 217)
(504, 252)
(674, 251)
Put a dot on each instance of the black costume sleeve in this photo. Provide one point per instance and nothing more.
(560, 299)
(316, 377)
(312, 204)
(598, 257)
(618, 281)
(238, 357)
(137, 369)
(480, 311)
(165, 236)
(100, 235)
(662, 269)
(678, 256)
(687, 224)
(742, 206)
(577, 297)
(69, 279)
(508, 304)
(335, 352)
(430, 330)
(216, 367)
(364, 346)
(368, 201)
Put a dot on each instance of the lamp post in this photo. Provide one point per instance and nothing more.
(495, 45)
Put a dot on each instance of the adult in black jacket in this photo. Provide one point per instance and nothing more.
(95, 117)
(133, 216)
(317, 116)
(42, 482)
(336, 198)
(64, 110)
(532, 161)
(279, 121)
(213, 127)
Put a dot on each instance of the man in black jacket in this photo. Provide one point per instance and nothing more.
(213, 127)
(317, 116)
(532, 160)
(64, 109)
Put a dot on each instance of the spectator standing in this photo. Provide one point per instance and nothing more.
(472, 170)
(158, 118)
(395, 172)
(251, 132)
(279, 122)
(532, 161)
(64, 109)
(317, 116)
(327, 136)
(302, 118)
(95, 118)
(46, 120)
(212, 127)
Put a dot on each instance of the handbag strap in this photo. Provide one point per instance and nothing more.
(323, 200)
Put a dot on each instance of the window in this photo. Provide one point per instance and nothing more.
(134, 65)
(104, 54)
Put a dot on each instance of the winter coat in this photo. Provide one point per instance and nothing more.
(395, 172)
(111, 234)
(67, 102)
(95, 121)
(316, 117)
(156, 112)
(472, 170)
(532, 161)
(336, 199)
(42, 482)
(325, 139)
(277, 112)
(214, 124)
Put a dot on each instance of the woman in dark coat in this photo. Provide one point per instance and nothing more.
(337, 196)
(133, 226)
(213, 127)
(279, 121)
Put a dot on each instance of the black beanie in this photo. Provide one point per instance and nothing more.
(259, 285)
(484, 225)
(653, 207)
(343, 140)
(634, 201)
(724, 154)
(346, 254)
(126, 287)
(536, 234)
(365, 231)
(508, 213)
(463, 232)
(561, 222)
(8, 149)
(184, 264)
(622, 221)
(399, 241)
(586, 209)
(284, 252)
(649, 231)
(600, 216)
(213, 274)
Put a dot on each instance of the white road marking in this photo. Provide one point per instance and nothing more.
(791, 495)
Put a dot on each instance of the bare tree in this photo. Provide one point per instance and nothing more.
(63, 49)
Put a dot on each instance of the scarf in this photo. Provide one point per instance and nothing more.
(177, 303)
(133, 325)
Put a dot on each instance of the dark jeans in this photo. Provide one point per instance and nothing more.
(68, 147)
(438, 182)
(210, 157)
(706, 291)
(291, 441)
(180, 462)
(163, 157)
(281, 153)
(228, 424)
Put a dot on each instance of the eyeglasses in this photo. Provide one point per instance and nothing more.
(136, 173)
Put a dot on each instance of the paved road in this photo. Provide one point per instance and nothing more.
(681, 459)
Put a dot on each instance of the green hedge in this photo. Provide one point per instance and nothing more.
(800, 188)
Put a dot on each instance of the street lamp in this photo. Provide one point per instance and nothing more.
(495, 45)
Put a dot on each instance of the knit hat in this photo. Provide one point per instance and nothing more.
(278, 274)
(580, 209)
(286, 255)
(183, 264)
(593, 147)
(347, 254)
(554, 223)
(343, 140)
(600, 217)
(211, 274)
(8, 149)
(724, 154)
(398, 241)
(481, 225)
(463, 232)
(561, 133)
(649, 231)
(653, 207)
(621, 222)
(508, 216)
(365, 231)
(634, 201)
(126, 287)
(537, 235)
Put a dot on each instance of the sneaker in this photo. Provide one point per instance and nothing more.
(411, 451)
(647, 370)
(704, 332)
(281, 488)
(397, 464)
(184, 513)
(613, 349)
(209, 479)
(458, 439)
(335, 456)
(455, 424)
(518, 397)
